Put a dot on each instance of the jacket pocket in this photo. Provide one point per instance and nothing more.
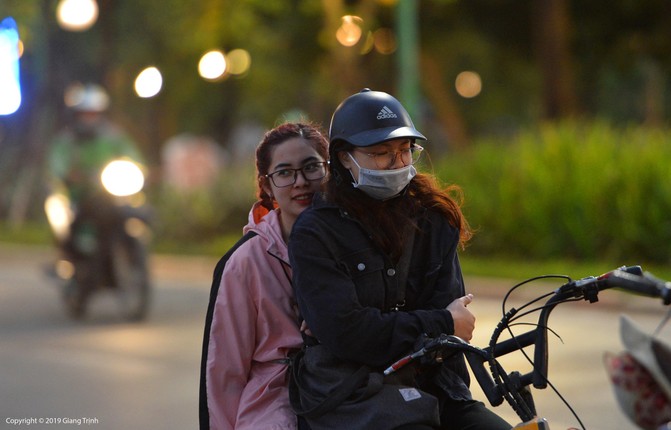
(367, 272)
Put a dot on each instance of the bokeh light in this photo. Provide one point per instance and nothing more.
(239, 62)
(468, 84)
(77, 15)
(148, 83)
(212, 65)
(10, 87)
(349, 33)
(384, 41)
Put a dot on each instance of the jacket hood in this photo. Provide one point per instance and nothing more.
(267, 224)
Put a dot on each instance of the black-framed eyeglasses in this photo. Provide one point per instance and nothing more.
(313, 171)
(384, 160)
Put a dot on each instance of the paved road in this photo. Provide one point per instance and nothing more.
(145, 376)
(122, 375)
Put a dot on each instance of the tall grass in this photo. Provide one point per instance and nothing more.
(570, 190)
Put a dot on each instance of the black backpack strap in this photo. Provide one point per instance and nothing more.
(203, 411)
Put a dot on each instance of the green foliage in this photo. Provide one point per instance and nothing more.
(569, 190)
(199, 220)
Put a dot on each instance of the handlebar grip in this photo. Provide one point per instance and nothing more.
(397, 365)
(645, 285)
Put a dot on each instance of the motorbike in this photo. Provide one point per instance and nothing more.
(103, 241)
(515, 387)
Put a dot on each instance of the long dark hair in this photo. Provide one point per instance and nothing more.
(278, 135)
(386, 220)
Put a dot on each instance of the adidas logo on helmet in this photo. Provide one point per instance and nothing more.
(386, 113)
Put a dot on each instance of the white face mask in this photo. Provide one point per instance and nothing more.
(383, 184)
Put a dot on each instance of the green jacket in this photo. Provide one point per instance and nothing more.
(77, 163)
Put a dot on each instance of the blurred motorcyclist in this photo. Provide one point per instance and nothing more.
(79, 153)
(100, 229)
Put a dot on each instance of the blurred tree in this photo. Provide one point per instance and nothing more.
(491, 39)
(552, 42)
(622, 52)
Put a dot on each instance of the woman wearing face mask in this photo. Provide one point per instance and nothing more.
(375, 269)
(252, 324)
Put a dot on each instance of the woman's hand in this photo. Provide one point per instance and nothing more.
(464, 320)
(305, 329)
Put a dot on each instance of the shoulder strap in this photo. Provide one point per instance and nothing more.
(203, 411)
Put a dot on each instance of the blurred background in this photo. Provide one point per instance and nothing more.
(551, 114)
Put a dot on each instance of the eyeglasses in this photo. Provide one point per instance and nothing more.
(384, 160)
(287, 177)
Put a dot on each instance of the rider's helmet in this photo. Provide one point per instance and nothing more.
(370, 117)
(88, 104)
(86, 98)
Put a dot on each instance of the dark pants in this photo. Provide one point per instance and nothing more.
(470, 415)
(303, 425)
(466, 415)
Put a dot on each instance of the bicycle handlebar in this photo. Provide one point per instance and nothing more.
(645, 284)
(496, 384)
(630, 279)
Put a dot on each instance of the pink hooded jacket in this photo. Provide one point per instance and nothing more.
(254, 327)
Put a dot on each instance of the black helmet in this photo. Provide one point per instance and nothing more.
(371, 117)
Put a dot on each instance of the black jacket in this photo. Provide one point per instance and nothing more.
(346, 287)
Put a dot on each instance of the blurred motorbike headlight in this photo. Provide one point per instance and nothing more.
(59, 214)
(122, 178)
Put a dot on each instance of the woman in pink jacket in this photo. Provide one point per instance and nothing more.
(252, 324)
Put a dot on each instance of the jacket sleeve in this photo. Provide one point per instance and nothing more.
(231, 344)
(327, 298)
